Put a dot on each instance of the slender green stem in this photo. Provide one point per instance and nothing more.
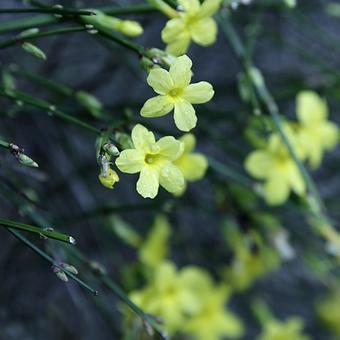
(4, 144)
(19, 39)
(49, 259)
(36, 230)
(51, 10)
(46, 107)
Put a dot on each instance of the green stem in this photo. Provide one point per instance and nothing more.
(20, 39)
(49, 259)
(4, 144)
(39, 231)
(47, 107)
(51, 10)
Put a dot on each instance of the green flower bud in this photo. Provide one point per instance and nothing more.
(27, 161)
(28, 33)
(60, 274)
(90, 102)
(69, 268)
(34, 50)
(111, 149)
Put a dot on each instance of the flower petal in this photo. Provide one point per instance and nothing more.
(180, 71)
(172, 30)
(189, 141)
(198, 93)
(156, 107)
(193, 166)
(209, 8)
(310, 107)
(170, 148)
(171, 178)
(160, 80)
(329, 135)
(259, 164)
(204, 31)
(297, 183)
(180, 45)
(130, 161)
(276, 190)
(185, 116)
(148, 182)
(142, 138)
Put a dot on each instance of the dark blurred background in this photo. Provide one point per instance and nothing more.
(295, 49)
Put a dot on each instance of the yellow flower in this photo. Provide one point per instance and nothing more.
(175, 92)
(109, 178)
(102, 21)
(192, 165)
(154, 161)
(154, 249)
(213, 321)
(275, 165)
(316, 133)
(288, 330)
(195, 23)
(171, 295)
(329, 312)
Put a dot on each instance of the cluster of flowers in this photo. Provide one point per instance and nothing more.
(310, 137)
(188, 301)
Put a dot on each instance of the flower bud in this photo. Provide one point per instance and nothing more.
(111, 149)
(69, 268)
(108, 178)
(90, 102)
(27, 161)
(130, 28)
(34, 50)
(60, 274)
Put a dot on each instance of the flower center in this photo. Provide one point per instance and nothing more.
(174, 93)
(150, 159)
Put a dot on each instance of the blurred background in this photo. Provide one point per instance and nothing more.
(296, 49)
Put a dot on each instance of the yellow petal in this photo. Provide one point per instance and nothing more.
(180, 71)
(130, 161)
(189, 141)
(198, 93)
(204, 31)
(180, 45)
(148, 182)
(297, 183)
(310, 107)
(190, 5)
(329, 135)
(172, 30)
(170, 148)
(276, 191)
(171, 178)
(142, 138)
(156, 107)
(259, 164)
(209, 7)
(185, 116)
(160, 80)
(193, 166)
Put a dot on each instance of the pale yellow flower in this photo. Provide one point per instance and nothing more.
(214, 321)
(155, 248)
(154, 161)
(316, 133)
(287, 330)
(276, 167)
(194, 23)
(175, 92)
(171, 295)
(192, 165)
